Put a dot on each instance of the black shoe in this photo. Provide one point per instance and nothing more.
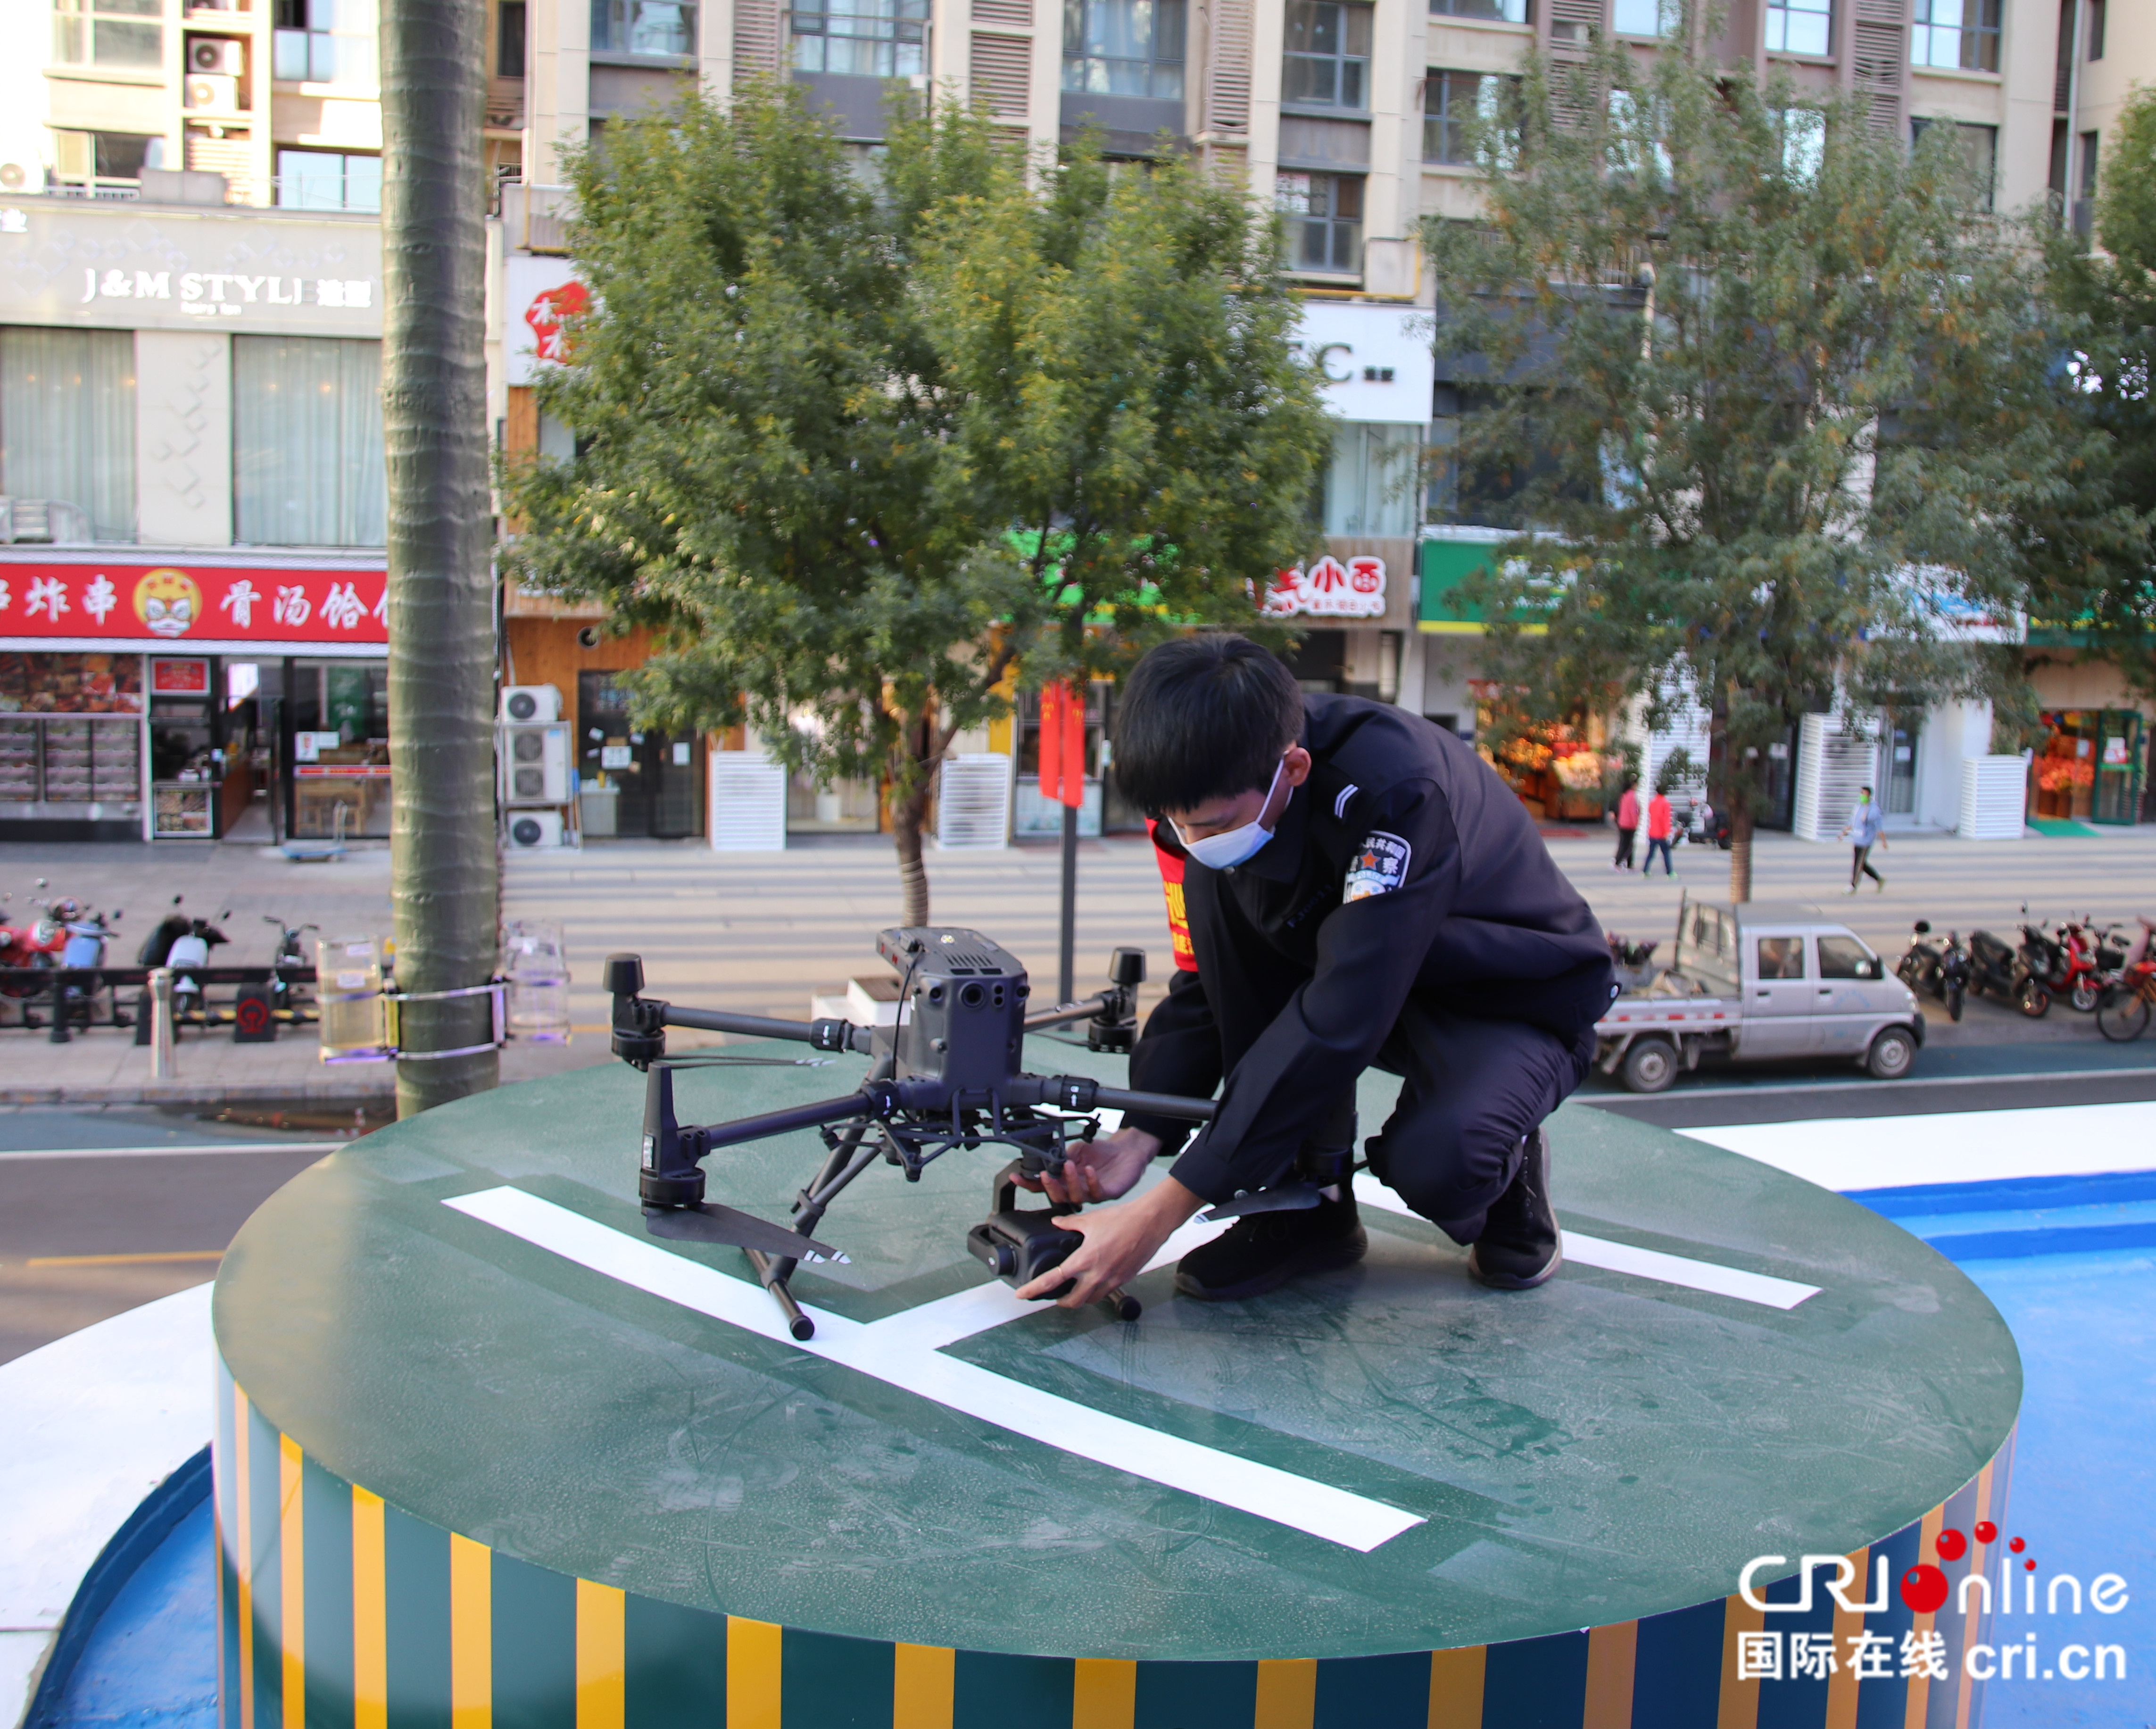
(1264, 1251)
(1518, 1248)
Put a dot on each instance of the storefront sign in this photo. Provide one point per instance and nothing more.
(179, 677)
(1329, 589)
(538, 294)
(222, 609)
(1374, 363)
(124, 266)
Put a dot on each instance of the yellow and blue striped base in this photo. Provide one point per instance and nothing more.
(340, 1611)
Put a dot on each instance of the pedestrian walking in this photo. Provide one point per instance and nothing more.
(1862, 832)
(1659, 825)
(1628, 823)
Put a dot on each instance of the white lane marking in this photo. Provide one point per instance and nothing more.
(144, 1152)
(883, 1353)
(1862, 1153)
(1682, 1269)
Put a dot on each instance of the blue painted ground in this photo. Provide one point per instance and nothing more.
(152, 1661)
(2064, 1259)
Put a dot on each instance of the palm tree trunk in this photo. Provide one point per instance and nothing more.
(444, 865)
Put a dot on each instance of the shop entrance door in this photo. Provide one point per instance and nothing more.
(653, 781)
(1901, 788)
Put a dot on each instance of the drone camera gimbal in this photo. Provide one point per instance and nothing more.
(945, 1074)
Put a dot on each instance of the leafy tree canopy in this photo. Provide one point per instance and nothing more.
(1775, 402)
(869, 447)
(2101, 582)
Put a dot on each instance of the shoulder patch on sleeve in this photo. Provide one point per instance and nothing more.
(1340, 804)
(1379, 866)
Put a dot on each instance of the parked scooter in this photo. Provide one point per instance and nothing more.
(2064, 961)
(290, 956)
(1997, 968)
(21, 947)
(1938, 969)
(188, 954)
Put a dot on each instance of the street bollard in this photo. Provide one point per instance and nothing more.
(162, 1065)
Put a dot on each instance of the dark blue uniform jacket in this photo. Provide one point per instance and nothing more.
(1404, 866)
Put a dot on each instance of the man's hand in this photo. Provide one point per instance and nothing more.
(1119, 1241)
(1099, 1170)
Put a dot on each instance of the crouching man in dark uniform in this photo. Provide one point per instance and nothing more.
(1362, 891)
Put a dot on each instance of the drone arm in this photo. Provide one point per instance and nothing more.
(869, 1101)
(1079, 1092)
(1117, 1098)
(824, 1035)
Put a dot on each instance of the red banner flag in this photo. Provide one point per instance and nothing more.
(1063, 746)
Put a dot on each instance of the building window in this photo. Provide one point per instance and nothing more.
(1370, 483)
(1976, 152)
(103, 165)
(109, 33)
(1798, 27)
(67, 423)
(325, 42)
(2095, 10)
(328, 180)
(1324, 215)
(1804, 142)
(666, 28)
(1503, 11)
(1327, 64)
(306, 441)
(1454, 104)
(1124, 47)
(1963, 34)
(509, 40)
(1643, 18)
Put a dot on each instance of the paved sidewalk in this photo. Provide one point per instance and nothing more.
(764, 932)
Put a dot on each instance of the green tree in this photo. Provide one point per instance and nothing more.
(2098, 579)
(444, 873)
(868, 452)
(1776, 403)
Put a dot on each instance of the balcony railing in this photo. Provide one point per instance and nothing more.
(536, 218)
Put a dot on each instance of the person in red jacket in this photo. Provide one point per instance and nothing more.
(1628, 823)
(1659, 825)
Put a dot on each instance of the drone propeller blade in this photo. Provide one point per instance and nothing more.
(709, 1223)
(1289, 1198)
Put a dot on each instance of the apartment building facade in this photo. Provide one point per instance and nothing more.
(259, 118)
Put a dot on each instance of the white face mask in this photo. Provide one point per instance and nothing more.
(1232, 846)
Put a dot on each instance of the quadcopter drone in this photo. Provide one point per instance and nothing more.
(945, 1074)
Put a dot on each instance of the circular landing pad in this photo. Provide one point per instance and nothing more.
(486, 1443)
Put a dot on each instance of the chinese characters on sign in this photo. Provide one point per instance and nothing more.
(146, 604)
(1329, 589)
(544, 314)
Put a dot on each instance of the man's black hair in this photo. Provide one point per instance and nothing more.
(1203, 717)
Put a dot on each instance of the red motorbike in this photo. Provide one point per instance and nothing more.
(37, 942)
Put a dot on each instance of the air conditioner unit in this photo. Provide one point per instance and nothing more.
(534, 765)
(529, 830)
(523, 703)
(216, 56)
(210, 90)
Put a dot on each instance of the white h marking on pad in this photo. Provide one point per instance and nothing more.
(901, 1352)
(1706, 1275)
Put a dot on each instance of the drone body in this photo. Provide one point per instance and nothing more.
(945, 1074)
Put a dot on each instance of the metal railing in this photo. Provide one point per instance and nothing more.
(43, 522)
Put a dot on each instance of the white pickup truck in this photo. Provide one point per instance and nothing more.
(1758, 981)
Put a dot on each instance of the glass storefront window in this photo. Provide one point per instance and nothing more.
(340, 724)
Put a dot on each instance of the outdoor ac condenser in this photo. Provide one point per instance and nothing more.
(523, 703)
(208, 90)
(529, 830)
(216, 56)
(534, 765)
